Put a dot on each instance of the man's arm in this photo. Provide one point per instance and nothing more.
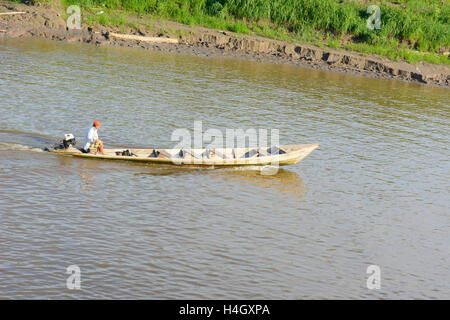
(91, 136)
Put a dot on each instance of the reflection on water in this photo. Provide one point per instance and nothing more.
(375, 192)
(284, 181)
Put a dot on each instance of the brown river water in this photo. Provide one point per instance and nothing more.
(376, 191)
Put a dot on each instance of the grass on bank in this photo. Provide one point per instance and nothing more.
(411, 30)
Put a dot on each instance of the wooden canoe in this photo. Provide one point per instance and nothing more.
(282, 155)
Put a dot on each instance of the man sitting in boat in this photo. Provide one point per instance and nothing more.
(91, 142)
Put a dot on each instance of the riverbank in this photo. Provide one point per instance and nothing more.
(47, 20)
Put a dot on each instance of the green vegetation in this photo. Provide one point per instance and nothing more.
(413, 30)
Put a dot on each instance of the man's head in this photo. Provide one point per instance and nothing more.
(96, 124)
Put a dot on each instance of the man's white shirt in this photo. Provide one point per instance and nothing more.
(90, 138)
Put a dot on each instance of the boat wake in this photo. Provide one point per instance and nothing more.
(23, 141)
(18, 147)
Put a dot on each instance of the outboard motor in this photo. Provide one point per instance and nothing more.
(69, 140)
